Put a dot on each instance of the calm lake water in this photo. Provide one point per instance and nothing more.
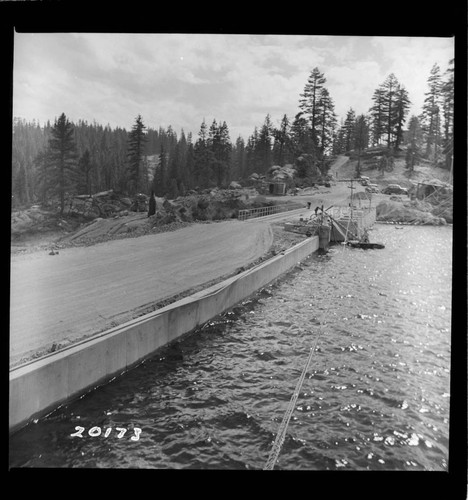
(376, 396)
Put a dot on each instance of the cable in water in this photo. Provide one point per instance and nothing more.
(281, 434)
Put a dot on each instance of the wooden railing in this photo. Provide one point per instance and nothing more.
(264, 211)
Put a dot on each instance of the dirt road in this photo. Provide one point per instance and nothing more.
(67, 297)
(338, 194)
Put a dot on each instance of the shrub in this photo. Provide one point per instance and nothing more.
(218, 214)
(199, 214)
(203, 204)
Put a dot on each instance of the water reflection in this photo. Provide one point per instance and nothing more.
(376, 396)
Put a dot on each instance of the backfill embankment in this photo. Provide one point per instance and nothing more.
(40, 386)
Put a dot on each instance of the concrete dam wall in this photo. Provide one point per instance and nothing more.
(40, 386)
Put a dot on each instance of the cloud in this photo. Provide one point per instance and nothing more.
(353, 86)
(178, 80)
(411, 60)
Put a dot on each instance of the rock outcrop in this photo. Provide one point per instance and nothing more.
(413, 212)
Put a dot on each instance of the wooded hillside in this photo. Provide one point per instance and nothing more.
(55, 161)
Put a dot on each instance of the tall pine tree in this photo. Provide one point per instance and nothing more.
(59, 164)
(448, 114)
(238, 159)
(304, 147)
(135, 153)
(264, 145)
(326, 121)
(431, 114)
(349, 130)
(282, 143)
(414, 142)
(159, 186)
(388, 113)
(203, 158)
(85, 167)
(390, 87)
(310, 99)
(377, 116)
(361, 139)
(402, 105)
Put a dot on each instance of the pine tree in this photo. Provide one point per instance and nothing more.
(20, 186)
(189, 163)
(349, 130)
(174, 170)
(361, 139)
(220, 145)
(390, 87)
(282, 143)
(448, 113)
(203, 158)
(377, 116)
(402, 105)
(44, 174)
(159, 180)
(59, 174)
(28, 139)
(183, 147)
(212, 135)
(305, 148)
(264, 145)
(431, 111)
(173, 189)
(338, 146)
(136, 148)
(85, 167)
(239, 161)
(414, 140)
(326, 120)
(251, 153)
(388, 113)
(310, 98)
(301, 137)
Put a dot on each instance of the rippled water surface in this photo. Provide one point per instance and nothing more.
(375, 397)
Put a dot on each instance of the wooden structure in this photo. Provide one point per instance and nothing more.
(433, 191)
(345, 223)
(264, 211)
(278, 188)
(350, 222)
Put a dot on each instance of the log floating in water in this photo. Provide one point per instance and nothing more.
(365, 245)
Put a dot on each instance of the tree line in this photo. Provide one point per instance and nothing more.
(54, 161)
(428, 135)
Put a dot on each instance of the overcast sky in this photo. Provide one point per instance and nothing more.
(181, 79)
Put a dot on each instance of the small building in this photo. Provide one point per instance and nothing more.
(277, 188)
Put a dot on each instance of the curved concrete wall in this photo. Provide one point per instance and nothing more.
(40, 386)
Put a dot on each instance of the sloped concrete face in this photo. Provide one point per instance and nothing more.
(144, 337)
(37, 390)
(40, 386)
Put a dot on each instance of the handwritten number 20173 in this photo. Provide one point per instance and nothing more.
(96, 431)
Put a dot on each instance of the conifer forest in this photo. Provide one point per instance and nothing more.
(58, 159)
